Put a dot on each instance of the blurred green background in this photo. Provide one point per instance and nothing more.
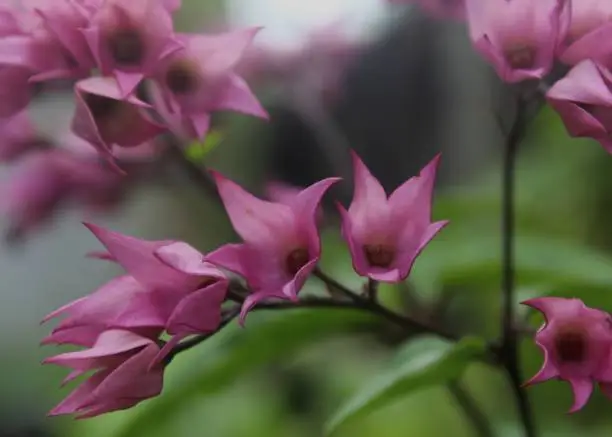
(287, 374)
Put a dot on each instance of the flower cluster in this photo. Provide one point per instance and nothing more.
(577, 344)
(184, 78)
(171, 288)
(133, 78)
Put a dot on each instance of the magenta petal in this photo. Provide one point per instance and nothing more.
(138, 258)
(252, 300)
(547, 372)
(416, 194)
(112, 342)
(292, 288)
(237, 96)
(131, 379)
(79, 396)
(184, 258)
(257, 221)
(582, 389)
(128, 82)
(368, 211)
(230, 257)
(166, 349)
(199, 312)
(355, 245)
(223, 51)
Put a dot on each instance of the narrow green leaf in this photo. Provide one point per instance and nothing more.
(210, 368)
(423, 362)
(197, 151)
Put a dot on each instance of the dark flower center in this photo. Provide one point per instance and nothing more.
(181, 78)
(379, 255)
(296, 260)
(102, 107)
(571, 345)
(520, 56)
(127, 47)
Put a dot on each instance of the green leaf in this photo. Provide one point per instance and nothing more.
(197, 151)
(475, 259)
(423, 362)
(237, 351)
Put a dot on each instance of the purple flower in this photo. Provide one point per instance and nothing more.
(281, 241)
(199, 79)
(168, 287)
(589, 34)
(104, 119)
(18, 136)
(576, 344)
(518, 37)
(583, 99)
(385, 235)
(129, 38)
(123, 374)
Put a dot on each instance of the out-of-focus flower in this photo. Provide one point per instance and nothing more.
(583, 99)
(104, 119)
(67, 171)
(199, 79)
(385, 235)
(124, 375)
(18, 136)
(576, 344)
(130, 38)
(589, 34)
(519, 38)
(315, 69)
(281, 241)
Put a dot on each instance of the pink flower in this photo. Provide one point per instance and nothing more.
(385, 235)
(589, 33)
(200, 79)
(172, 5)
(168, 287)
(281, 241)
(15, 89)
(454, 9)
(61, 30)
(18, 136)
(576, 344)
(123, 378)
(105, 120)
(33, 193)
(129, 39)
(518, 37)
(280, 192)
(583, 99)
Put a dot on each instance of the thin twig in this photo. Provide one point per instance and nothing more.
(479, 421)
(510, 352)
(375, 308)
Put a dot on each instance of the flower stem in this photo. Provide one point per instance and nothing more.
(479, 421)
(510, 351)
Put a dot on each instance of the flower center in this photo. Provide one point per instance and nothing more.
(520, 56)
(570, 345)
(181, 77)
(296, 260)
(102, 107)
(379, 255)
(127, 47)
